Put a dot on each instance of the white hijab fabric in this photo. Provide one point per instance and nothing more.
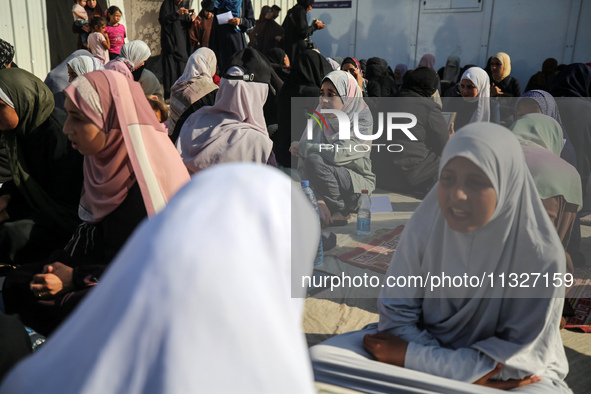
(231, 130)
(181, 312)
(521, 333)
(201, 63)
(480, 79)
(135, 52)
(84, 64)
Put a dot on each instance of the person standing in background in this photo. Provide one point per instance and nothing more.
(297, 30)
(228, 39)
(201, 28)
(176, 20)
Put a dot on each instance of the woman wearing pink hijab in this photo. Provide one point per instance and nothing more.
(131, 169)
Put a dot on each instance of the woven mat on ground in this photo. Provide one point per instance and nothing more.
(374, 252)
(579, 297)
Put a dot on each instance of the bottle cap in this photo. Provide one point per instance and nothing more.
(364, 191)
(305, 183)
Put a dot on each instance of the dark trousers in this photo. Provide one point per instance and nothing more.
(172, 69)
(331, 183)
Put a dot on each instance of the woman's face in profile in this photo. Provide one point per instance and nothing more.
(330, 97)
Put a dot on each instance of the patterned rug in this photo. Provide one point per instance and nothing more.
(375, 252)
(579, 296)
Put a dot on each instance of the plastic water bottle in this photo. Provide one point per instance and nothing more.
(310, 194)
(37, 340)
(364, 214)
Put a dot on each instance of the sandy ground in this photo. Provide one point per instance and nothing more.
(352, 309)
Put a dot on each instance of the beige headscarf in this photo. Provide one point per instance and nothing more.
(506, 62)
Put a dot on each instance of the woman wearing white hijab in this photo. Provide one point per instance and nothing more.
(484, 217)
(180, 313)
(194, 84)
(475, 88)
(234, 128)
(83, 64)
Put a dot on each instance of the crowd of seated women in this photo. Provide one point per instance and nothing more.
(139, 295)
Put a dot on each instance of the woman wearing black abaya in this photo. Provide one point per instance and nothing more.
(297, 29)
(39, 206)
(415, 169)
(280, 63)
(304, 80)
(266, 33)
(175, 21)
(381, 81)
(228, 39)
(575, 81)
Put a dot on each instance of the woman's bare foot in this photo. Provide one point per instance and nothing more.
(339, 216)
(324, 212)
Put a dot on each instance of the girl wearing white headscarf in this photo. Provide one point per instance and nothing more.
(483, 218)
(234, 128)
(83, 64)
(475, 88)
(337, 175)
(194, 84)
(167, 320)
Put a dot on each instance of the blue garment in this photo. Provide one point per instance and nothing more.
(230, 5)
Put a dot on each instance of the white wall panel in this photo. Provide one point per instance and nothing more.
(23, 24)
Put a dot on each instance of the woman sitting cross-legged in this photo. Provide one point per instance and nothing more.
(483, 220)
(130, 169)
(338, 169)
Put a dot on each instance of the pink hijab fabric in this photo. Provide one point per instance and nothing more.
(137, 147)
(118, 65)
(427, 60)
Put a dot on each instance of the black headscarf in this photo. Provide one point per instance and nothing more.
(375, 68)
(6, 54)
(309, 71)
(573, 80)
(423, 80)
(306, 3)
(93, 12)
(277, 56)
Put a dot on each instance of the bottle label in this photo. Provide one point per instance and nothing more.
(363, 225)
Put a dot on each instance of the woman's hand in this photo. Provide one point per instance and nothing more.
(505, 384)
(451, 130)
(495, 91)
(357, 75)
(295, 148)
(182, 11)
(234, 22)
(55, 278)
(320, 25)
(324, 213)
(386, 348)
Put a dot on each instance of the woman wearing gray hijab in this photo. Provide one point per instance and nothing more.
(485, 217)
